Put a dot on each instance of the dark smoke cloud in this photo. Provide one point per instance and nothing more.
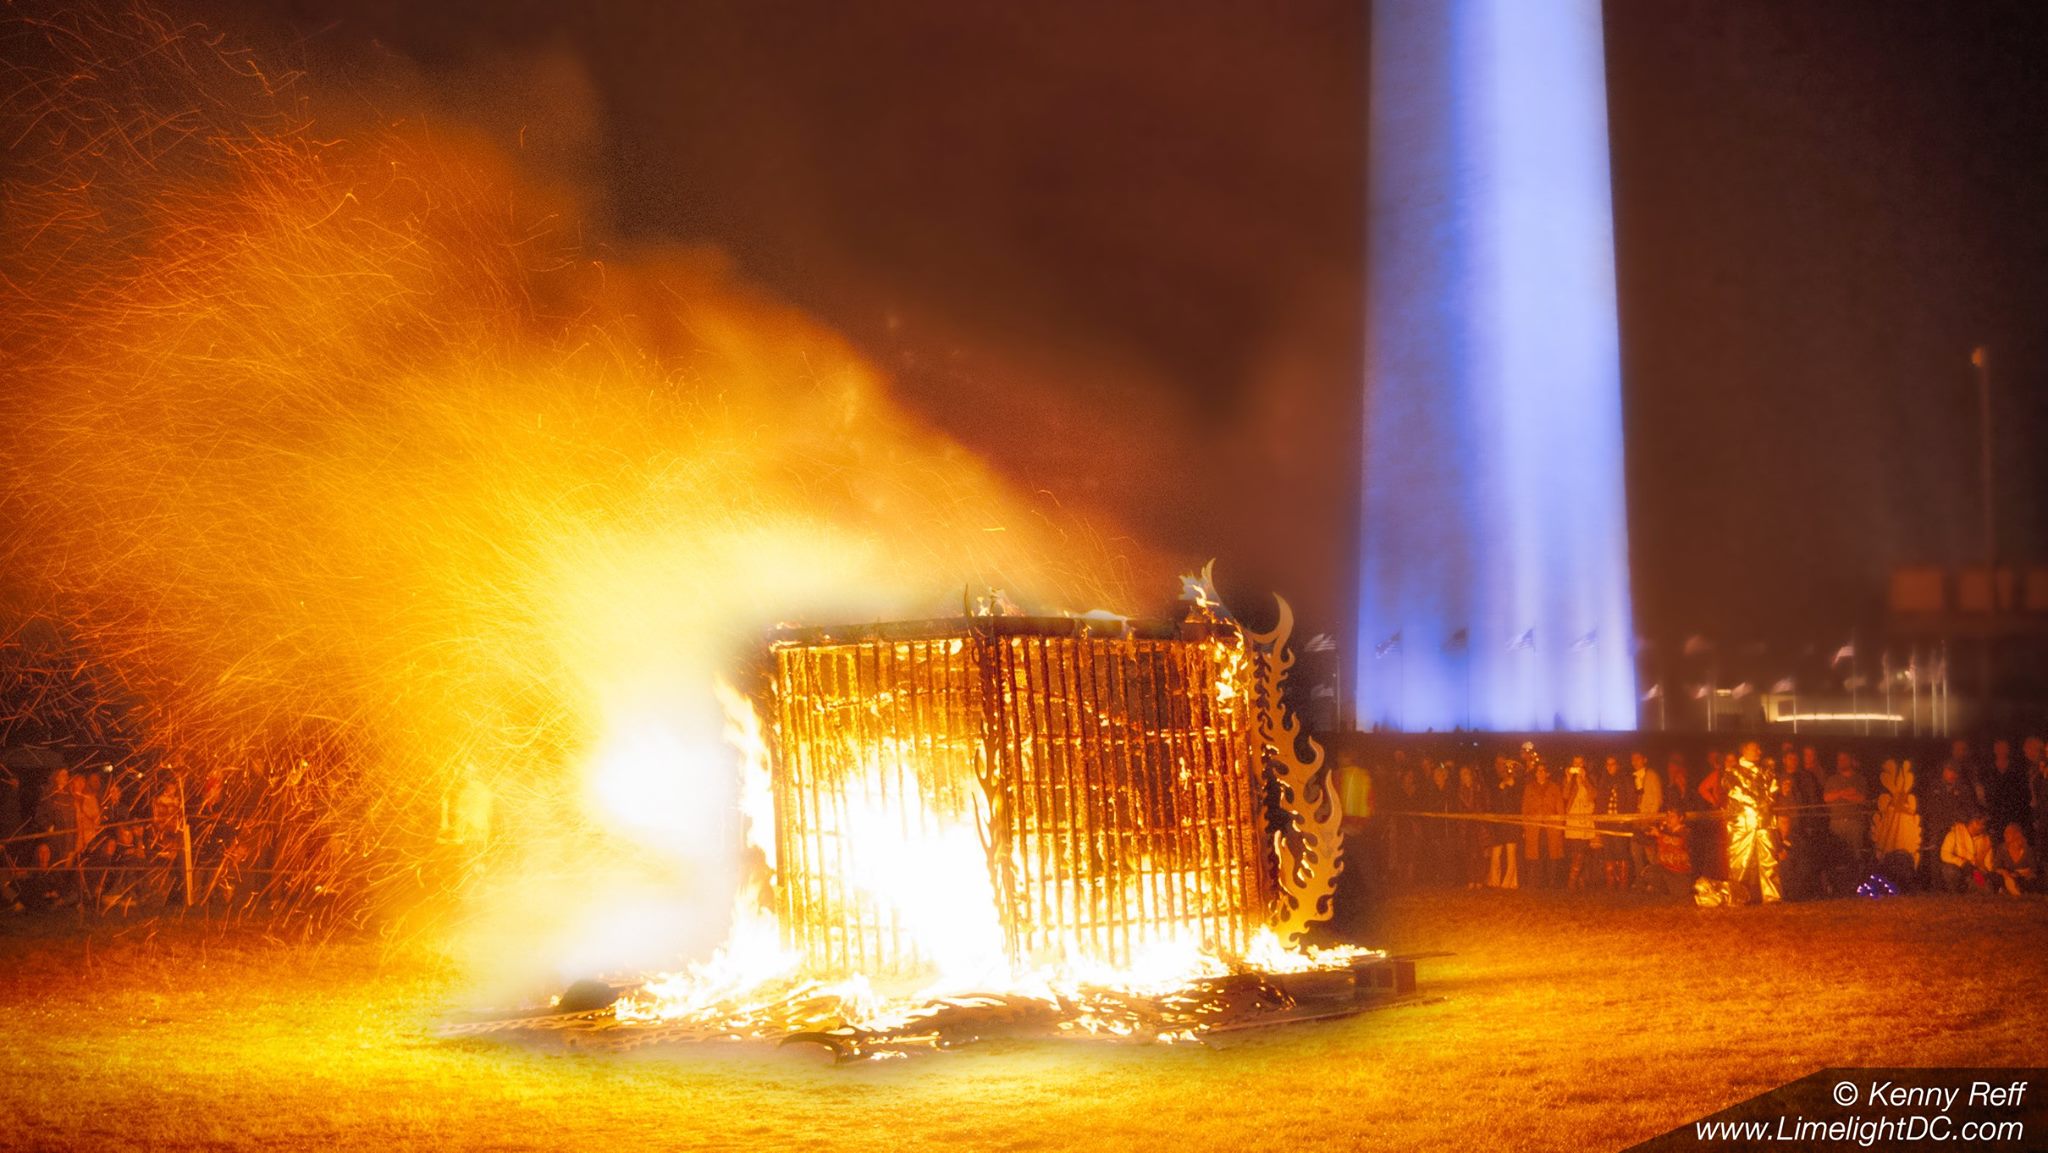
(1117, 249)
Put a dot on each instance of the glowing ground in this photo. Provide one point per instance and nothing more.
(1564, 1024)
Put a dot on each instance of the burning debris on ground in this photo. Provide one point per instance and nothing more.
(855, 1022)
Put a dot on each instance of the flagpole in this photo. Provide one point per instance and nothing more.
(1913, 679)
(1937, 705)
(1713, 677)
(1347, 709)
(1947, 703)
(1887, 666)
(1599, 684)
(1856, 680)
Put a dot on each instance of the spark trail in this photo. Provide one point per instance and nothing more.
(340, 446)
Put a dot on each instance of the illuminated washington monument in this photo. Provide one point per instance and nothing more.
(1494, 584)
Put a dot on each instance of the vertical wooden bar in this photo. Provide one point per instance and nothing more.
(804, 783)
(874, 719)
(845, 667)
(788, 870)
(885, 704)
(1031, 780)
(997, 777)
(1233, 783)
(1230, 796)
(1202, 700)
(1105, 827)
(1057, 662)
(1050, 831)
(929, 766)
(867, 778)
(1203, 706)
(800, 883)
(1010, 738)
(1137, 765)
(1169, 788)
(1252, 772)
(1080, 868)
(1180, 730)
(1167, 860)
(1045, 791)
(816, 796)
(1187, 700)
(1205, 671)
(1089, 813)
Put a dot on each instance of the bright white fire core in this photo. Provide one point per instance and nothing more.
(932, 874)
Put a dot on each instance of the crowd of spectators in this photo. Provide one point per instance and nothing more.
(100, 840)
(270, 834)
(105, 841)
(1522, 819)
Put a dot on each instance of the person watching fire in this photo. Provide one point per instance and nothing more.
(2015, 864)
(1966, 855)
(1580, 840)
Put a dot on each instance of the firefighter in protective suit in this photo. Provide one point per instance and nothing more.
(1749, 785)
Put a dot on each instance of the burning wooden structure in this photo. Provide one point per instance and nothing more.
(1120, 808)
(1120, 786)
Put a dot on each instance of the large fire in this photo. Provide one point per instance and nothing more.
(978, 819)
(983, 793)
(389, 500)
(333, 437)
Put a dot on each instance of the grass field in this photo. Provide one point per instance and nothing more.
(1584, 1023)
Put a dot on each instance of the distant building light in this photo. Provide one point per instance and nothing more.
(1896, 718)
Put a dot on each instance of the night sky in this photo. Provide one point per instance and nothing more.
(1118, 249)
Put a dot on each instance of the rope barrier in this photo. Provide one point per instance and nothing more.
(97, 830)
(158, 866)
(1570, 820)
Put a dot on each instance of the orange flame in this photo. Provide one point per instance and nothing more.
(324, 427)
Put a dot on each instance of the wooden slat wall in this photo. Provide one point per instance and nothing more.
(1115, 788)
